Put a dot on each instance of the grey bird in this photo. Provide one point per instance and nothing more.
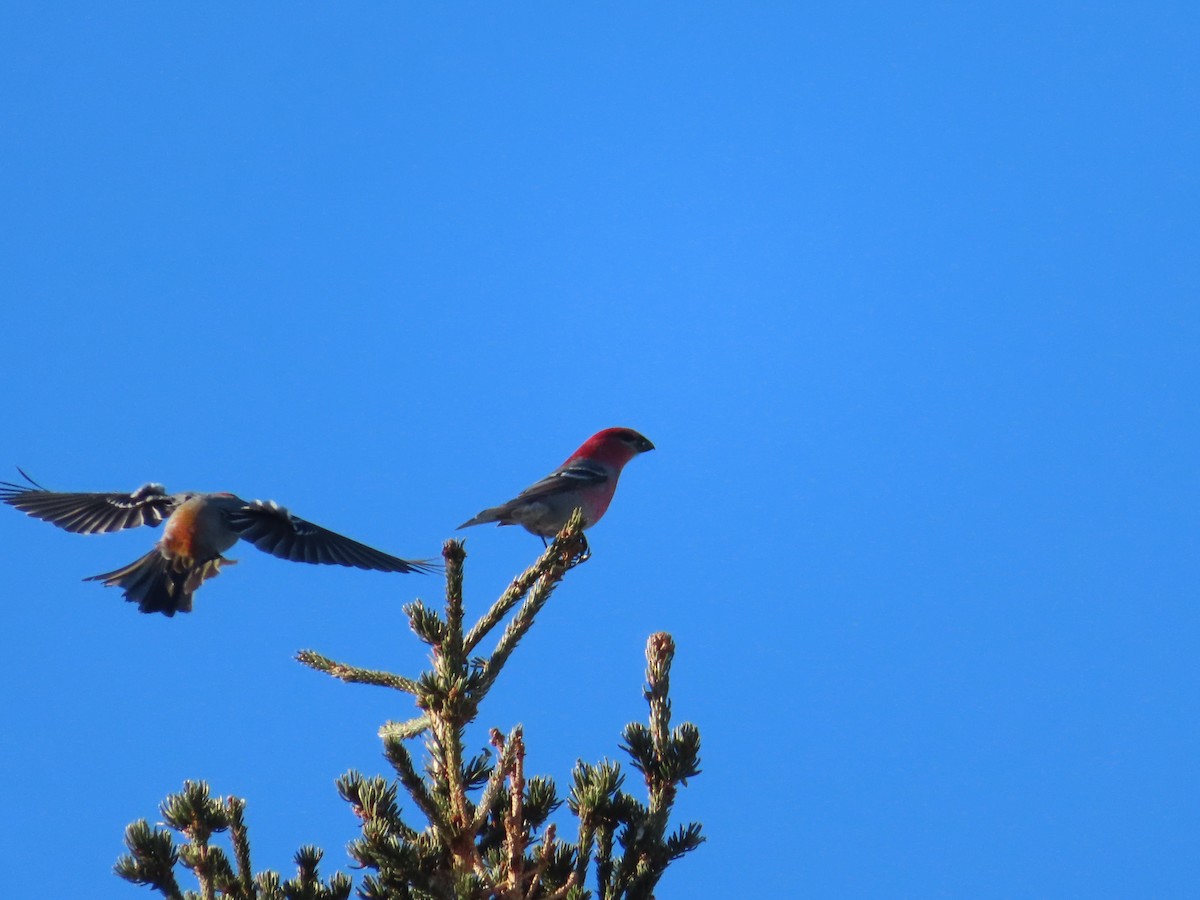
(200, 527)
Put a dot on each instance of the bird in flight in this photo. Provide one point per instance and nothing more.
(587, 481)
(200, 527)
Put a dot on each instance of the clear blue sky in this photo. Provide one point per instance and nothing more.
(905, 295)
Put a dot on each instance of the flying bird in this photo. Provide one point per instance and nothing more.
(587, 481)
(200, 527)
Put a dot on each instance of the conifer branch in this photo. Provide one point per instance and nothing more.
(199, 817)
(355, 675)
(402, 731)
(666, 759)
(660, 651)
(454, 554)
(459, 837)
(241, 844)
(401, 760)
(562, 555)
(151, 859)
(515, 835)
(543, 860)
(495, 782)
(564, 552)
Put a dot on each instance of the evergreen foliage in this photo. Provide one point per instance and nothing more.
(475, 826)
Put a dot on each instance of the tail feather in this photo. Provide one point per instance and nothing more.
(494, 514)
(158, 584)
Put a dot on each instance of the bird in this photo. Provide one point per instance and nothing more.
(587, 481)
(199, 528)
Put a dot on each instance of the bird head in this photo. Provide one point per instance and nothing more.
(614, 446)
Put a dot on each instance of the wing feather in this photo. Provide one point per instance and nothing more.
(569, 478)
(86, 513)
(272, 529)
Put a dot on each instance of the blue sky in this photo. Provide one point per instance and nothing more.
(905, 296)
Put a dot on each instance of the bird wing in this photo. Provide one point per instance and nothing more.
(272, 529)
(572, 477)
(569, 478)
(91, 513)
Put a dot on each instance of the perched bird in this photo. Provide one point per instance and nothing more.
(587, 481)
(200, 527)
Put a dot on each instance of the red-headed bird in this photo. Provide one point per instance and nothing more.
(200, 527)
(587, 481)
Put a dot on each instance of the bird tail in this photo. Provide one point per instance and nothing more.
(158, 584)
(495, 514)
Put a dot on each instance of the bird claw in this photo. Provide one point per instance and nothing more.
(583, 555)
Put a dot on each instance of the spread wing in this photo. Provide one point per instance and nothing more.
(91, 513)
(272, 529)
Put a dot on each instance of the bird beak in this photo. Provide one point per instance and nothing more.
(645, 445)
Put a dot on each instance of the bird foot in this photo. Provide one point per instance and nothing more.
(583, 555)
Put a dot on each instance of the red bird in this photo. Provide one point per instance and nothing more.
(587, 481)
(200, 527)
